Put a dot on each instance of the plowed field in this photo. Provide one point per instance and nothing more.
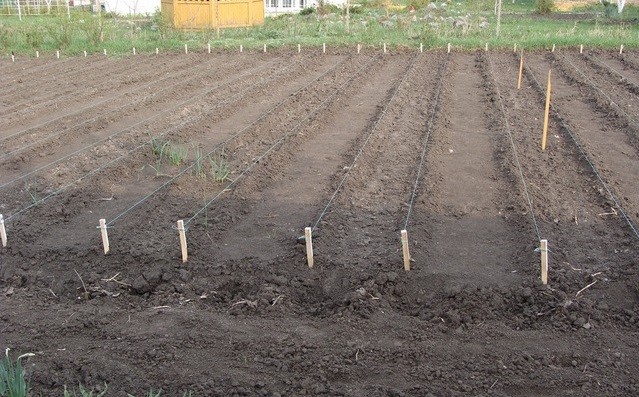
(250, 149)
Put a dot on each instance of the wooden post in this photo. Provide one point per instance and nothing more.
(85, 53)
(299, 48)
(581, 49)
(105, 52)
(157, 51)
(242, 48)
(264, 47)
(498, 27)
(546, 115)
(134, 51)
(621, 50)
(486, 47)
(57, 54)
(208, 48)
(521, 70)
(449, 48)
(421, 47)
(19, 10)
(384, 48)
(515, 47)
(180, 228)
(553, 48)
(359, 48)
(37, 54)
(323, 48)
(544, 261)
(308, 237)
(105, 236)
(3, 232)
(405, 250)
(186, 48)
(13, 58)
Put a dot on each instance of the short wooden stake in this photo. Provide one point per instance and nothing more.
(546, 115)
(449, 48)
(486, 47)
(57, 54)
(134, 51)
(405, 250)
(521, 70)
(105, 236)
(308, 237)
(581, 49)
(264, 47)
(37, 54)
(208, 48)
(3, 232)
(323, 48)
(621, 50)
(544, 261)
(384, 48)
(299, 48)
(186, 48)
(421, 47)
(105, 52)
(180, 228)
(515, 47)
(85, 53)
(553, 48)
(157, 51)
(242, 48)
(13, 58)
(359, 48)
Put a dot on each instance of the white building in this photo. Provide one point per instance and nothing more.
(130, 7)
(276, 7)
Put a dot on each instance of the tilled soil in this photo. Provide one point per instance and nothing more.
(358, 147)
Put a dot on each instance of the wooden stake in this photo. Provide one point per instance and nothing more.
(157, 51)
(299, 48)
(486, 47)
(85, 53)
(37, 54)
(544, 261)
(186, 48)
(3, 232)
(421, 47)
(449, 48)
(264, 47)
(180, 228)
(308, 237)
(546, 115)
(105, 52)
(521, 70)
(581, 49)
(384, 48)
(621, 50)
(359, 48)
(405, 250)
(242, 48)
(105, 236)
(57, 54)
(208, 48)
(13, 58)
(553, 48)
(134, 51)
(515, 47)
(323, 48)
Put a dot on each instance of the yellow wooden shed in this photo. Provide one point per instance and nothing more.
(211, 14)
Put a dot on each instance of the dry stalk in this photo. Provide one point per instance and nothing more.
(586, 287)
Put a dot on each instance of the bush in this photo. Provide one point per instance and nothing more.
(544, 6)
(307, 11)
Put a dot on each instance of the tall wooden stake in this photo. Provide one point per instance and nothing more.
(85, 53)
(498, 28)
(449, 48)
(515, 47)
(544, 261)
(405, 250)
(621, 50)
(546, 115)
(3, 232)
(581, 49)
(553, 48)
(57, 54)
(186, 48)
(134, 52)
(180, 228)
(242, 48)
(384, 48)
(264, 47)
(421, 47)
(323, 48)
(208, 48)
(308, 237)
(359, 48)
(105, 236)
(37, 54)
(299, 48)
(521, 70)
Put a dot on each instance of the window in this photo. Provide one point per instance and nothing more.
(273, 3)
(287, 3)
(302, 3)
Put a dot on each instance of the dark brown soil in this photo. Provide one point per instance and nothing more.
(334, 142)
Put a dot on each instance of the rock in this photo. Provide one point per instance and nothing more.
(153, 276)
(140, 285)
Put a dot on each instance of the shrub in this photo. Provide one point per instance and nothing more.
(544, 6)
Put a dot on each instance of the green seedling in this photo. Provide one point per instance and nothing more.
(13, 382)
(84, 392)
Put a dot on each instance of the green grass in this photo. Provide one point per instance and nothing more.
(371, 24)
(13, 382)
